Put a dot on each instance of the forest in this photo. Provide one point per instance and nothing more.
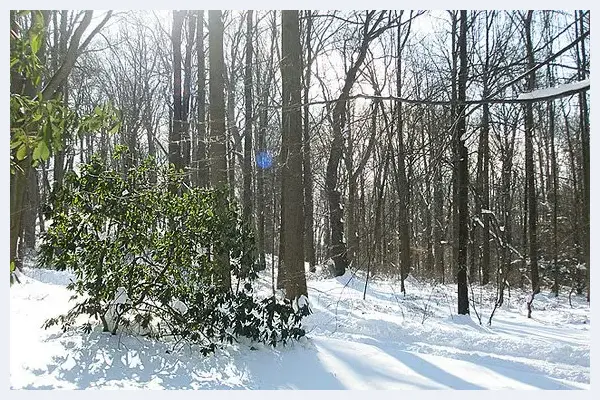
(156, 152)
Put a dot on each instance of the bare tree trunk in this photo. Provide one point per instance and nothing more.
(292, 209)
(554, 178)
(530, 169)
(32, 192)
(218, 159)
(186, 143)
(529, 164)
(485, 160)
(309, 234)
(403, 188)
(462, 172)
(200, 158)
(59, 156)
(454, 111)
(438, 200)
(263, 157)
(175, 133)
(247, 201)
(30, 212)
(337, 245)
(584, 131)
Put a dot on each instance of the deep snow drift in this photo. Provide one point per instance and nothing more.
(387, 341)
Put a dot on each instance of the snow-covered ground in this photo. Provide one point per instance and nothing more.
(387, 341)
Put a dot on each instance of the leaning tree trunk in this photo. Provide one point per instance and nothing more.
(337, 245)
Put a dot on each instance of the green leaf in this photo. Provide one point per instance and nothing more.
(22, 152)
(35, 41)
(114, 129)
(41, 151)
(45, 151)
(37, 151)
(16, 143)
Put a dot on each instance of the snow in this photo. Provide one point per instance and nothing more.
(121, 296)
(388, 341)
(179, 306)
(554, 91)
(302, 301)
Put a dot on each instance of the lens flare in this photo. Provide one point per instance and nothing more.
(264, 160)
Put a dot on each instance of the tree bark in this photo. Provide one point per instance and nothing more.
(584, 131)
(309, 234)
(247, 201)
(292, 209)
(462, 172)
(529, 163)
(186, 143)
(200, 158)
(218, 156)
(403, 188)
(175, 134)
(337, 245)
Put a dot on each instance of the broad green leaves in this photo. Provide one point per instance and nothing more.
(125, 234)
(37, 125)
(41, 151)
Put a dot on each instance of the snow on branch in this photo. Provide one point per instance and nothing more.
(530, 97)
(557, 91)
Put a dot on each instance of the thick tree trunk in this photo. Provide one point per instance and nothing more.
(218, 155)
(584, 131)
(462, 173)
(175, 134)
(292, 196)
(30, 212)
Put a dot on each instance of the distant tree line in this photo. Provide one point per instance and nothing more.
(383, 141)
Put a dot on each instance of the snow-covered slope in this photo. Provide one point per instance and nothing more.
(387, 341)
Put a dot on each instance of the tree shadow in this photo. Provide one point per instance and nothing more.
(428, 376)
(510, 369)
(103, 360)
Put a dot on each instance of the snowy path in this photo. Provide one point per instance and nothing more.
(380, 343)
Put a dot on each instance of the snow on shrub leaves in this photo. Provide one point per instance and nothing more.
(143, 257)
